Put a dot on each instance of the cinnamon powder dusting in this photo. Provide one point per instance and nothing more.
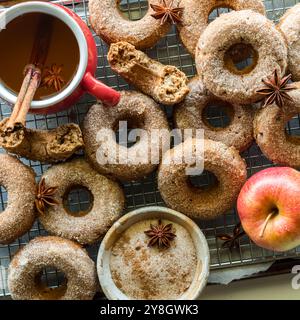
(144, 272)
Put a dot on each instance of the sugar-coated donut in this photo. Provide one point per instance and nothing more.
(68, 257)
(196, 13)
(110, 24)
(289, 25)
(164, 83)
(140, 112)
(190, 114)
(107, 202)
(205, 203)
(270, 135)
(19, 215)
(217, 69)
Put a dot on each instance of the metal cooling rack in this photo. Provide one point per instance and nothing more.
(145, 193)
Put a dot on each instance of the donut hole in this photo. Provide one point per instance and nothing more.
(240, 58)
(292, 129)
(216, 12)
(133, 10)
(203, 182)
(217, 114)
(51, 283)
(3, 198)
(123, 130)
(78, 201)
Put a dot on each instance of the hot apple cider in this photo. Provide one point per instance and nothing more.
(17, 41)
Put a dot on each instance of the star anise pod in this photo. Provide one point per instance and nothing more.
(166, 12)
(276, 89)
(44, 197)
(52, 77)
(231, 241)
(160, 235)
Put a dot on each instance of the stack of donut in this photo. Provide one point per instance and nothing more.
(24, 277)
(217, 47)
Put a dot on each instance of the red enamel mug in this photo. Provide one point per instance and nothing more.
(83, 81)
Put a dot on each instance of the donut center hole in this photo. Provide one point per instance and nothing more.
(240, 58)
(292, 129)
(218, 114)
(127, 131)
(51, 283)
(3, 199)
(133, 10)
(203, 182)
(78, 201)
(216, 12)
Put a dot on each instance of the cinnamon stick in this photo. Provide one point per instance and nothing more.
(30, 85)
(32, 72)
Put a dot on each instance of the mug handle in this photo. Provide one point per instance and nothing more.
(107, 95)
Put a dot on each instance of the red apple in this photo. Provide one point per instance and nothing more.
(269, 208)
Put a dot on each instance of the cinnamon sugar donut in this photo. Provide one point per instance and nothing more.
(206, 203)
(88, 226)
(109, 157)
(68, 257)
(270, 135)
(215, 66)
(196, 13)
(190, 114)
(19, 215)
(289, 25)
(109, 23)
(164, 83)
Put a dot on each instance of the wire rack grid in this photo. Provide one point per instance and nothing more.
(169, 50)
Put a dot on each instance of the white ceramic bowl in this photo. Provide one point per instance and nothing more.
(109, 288)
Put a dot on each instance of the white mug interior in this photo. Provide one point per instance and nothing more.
(42, 7)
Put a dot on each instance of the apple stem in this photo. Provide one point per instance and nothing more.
(266, 223)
